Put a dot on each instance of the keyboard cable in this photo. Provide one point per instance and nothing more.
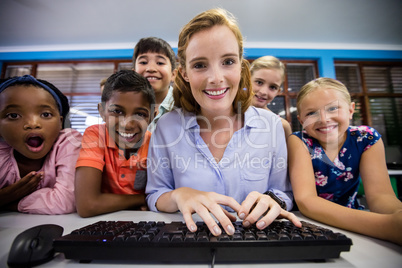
(213, 258)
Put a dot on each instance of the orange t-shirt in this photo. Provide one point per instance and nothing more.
(120, 176)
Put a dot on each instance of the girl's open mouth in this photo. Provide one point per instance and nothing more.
(34, 143)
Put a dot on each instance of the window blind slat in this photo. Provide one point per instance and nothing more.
(18, 70)
(383, 79)
(78, 78)
(348, 74)
(298, 75)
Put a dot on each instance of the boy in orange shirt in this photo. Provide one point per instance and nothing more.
(111, 168)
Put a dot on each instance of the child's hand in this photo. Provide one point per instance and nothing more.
(191, 201)
(23, 187)
(263, 210)
(27, 185)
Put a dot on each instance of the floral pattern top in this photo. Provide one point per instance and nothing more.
(338, 181)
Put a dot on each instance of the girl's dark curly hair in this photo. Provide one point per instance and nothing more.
(62, 103)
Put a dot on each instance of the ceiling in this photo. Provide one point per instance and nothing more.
(31, 25)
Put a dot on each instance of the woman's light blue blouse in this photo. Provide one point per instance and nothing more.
(254, 160)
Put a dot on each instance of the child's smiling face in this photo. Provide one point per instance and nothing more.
(30, 120)
(127, 115)
(325, 115)
(266, 85)
(157, 69)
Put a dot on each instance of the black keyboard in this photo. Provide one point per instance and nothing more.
(160, 242)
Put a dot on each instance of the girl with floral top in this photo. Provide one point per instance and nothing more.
(327, 159)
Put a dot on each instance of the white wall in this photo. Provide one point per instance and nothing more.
(47, 25)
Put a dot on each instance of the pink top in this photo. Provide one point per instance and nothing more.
(55, 194)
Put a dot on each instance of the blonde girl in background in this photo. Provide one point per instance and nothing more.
(267, 76)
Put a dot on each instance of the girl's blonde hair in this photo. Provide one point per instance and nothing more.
(268, 62)
(183, 98)
(322, 82)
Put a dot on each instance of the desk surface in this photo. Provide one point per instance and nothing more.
(365, 251)
(394, 172)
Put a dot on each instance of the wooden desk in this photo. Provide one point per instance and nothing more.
(365, 251)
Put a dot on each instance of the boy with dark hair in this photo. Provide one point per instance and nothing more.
(155, 59)
(111, 168)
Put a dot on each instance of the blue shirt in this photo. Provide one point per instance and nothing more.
(255, 159)
(338, 181)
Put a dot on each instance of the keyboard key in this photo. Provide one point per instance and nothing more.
(283, 237)
(249, 236)
(262, 236)
(296, 237)
(190, 237)
(145, 238)
(224, 237)
(133, 238)
(119, 238)
(177, 238)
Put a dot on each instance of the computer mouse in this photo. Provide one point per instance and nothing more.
(34, 246)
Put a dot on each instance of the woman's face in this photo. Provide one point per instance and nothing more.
(213, 69)
(266, 85)
(30, 121)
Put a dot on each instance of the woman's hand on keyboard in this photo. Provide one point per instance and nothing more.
(262, 210)
(191, 201)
